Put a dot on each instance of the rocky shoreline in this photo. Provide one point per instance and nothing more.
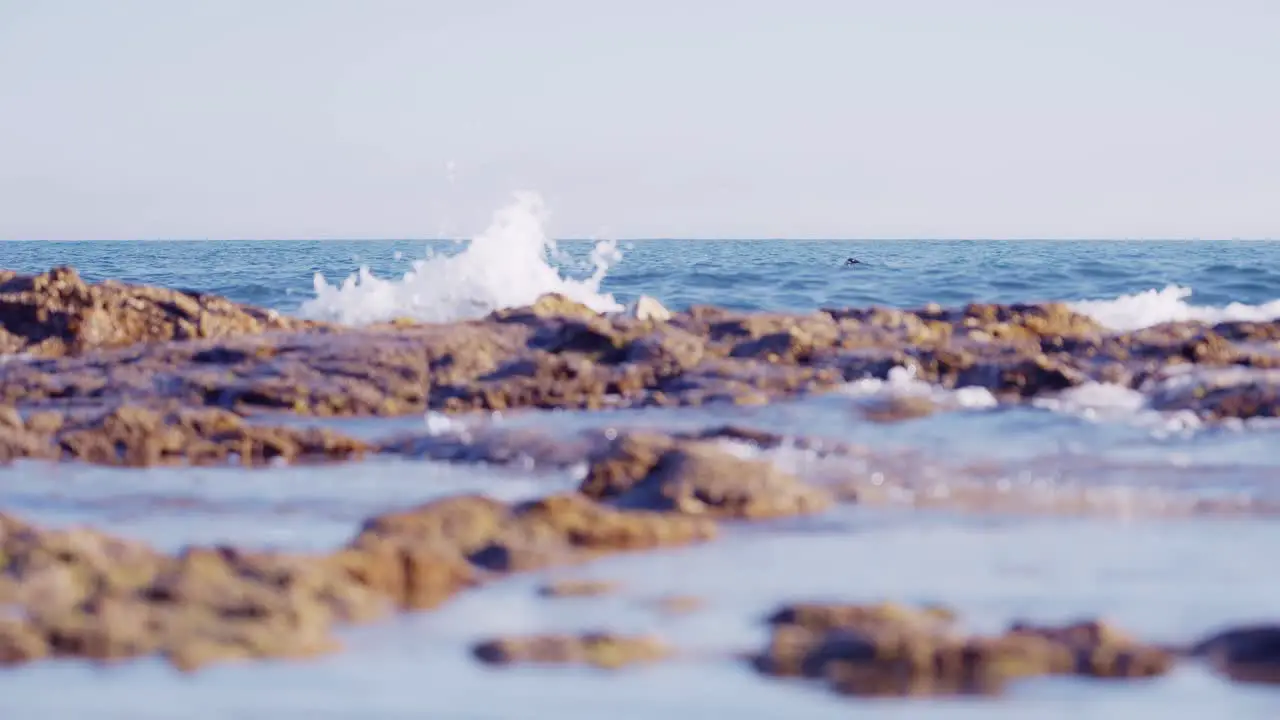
(71, 344)
(131, 376)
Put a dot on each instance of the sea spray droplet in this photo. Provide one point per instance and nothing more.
(507, 265)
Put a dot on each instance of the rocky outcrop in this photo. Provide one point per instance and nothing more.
(83, 594)
(57, 313)
(696, 478)
(109, 343)
(139, 437)
(79, 593)
(894, 650)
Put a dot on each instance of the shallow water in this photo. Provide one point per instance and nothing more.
(1165, 578)
(1168, 580)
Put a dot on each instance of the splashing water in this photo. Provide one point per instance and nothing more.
(1152, 307)
(505, 266)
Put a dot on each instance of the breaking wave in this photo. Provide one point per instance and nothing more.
(1153, 307)
(507, 265)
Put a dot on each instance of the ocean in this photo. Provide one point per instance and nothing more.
(1134, 557)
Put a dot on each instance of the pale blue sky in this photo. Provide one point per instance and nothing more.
(805, 118)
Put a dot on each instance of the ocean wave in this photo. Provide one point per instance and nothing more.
(1153, 307)
(507, 265)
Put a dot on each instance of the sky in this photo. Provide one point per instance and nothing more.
(145, 119)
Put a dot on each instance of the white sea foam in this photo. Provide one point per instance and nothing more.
(1107, 402)
(1152, 307)
(507, 265)
(902, 382)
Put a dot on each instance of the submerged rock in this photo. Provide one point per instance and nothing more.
(578, 588)
(84, 594)
(557, 529)
(601, 650)
(1247, 654)
(659, 472)
(79, 593)
(894, 650)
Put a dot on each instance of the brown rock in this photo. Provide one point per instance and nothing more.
(550, 305)
(138, 437)
(601, 650)
(625, 462)
(1246, 654)
(110, 345)
(570, 527)
(578, 588)
(78, 593)
(557, 529)
(57, 313)
(701, 479)
(463, 523)
(893, 650)
(899, 408)
(20, 642)
(678, 604)
(416, 577)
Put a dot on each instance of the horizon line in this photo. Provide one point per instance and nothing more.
(1028, 238)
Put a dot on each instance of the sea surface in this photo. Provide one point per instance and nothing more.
(1164, 576)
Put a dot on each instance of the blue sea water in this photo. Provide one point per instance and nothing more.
(744, 274)
(1164, 577)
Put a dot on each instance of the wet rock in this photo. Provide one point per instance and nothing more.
(78, 593)
(1247, 654)
(760, 438)
(110, 344)
(894, 650)
(666, 352)
(600, 650)
(655, 472)
(830, 616)
(558, 529)
(678, 604)
(568, 528)
(463, 523)
(57, 313)
(17, 442)
(550, 305)
(794, 343)
(139, 437)
(1216, 393)
(628, 459)
(415, 576)
(899, 408)
(1256, 332)
(578, 588)
(699, 480)
(526, 447)
(20, 642)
